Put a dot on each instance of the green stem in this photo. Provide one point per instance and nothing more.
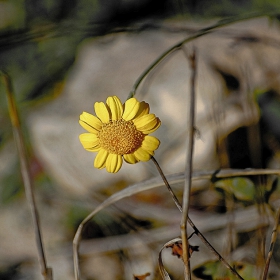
(204, 31)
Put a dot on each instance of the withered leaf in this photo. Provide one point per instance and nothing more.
(177, 249)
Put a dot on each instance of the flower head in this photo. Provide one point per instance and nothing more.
(119, 131)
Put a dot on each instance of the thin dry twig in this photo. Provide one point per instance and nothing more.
(174, 197)
(26, 176)
(197, 232)
(272, 244)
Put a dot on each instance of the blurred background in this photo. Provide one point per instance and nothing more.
(62, 56)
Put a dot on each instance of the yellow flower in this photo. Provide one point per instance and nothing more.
(119, 131)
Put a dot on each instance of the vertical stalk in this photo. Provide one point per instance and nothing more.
(26, 176)
(188, 168)
(272, 244)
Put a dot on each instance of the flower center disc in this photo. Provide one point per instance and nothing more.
(120, 137)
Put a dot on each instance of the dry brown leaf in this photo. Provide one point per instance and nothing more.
(177, 249)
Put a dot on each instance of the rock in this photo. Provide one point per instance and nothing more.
(111, 65)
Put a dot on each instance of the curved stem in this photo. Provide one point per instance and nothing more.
(178, 46)
(77, 239)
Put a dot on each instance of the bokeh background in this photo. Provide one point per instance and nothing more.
(62, 56)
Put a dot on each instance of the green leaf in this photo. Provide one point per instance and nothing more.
(242, 189)
(11, 188)
(214, 270)
(223, 185)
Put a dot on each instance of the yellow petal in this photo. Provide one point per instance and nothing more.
(150, 143)
(94, 149)
(102, 112)
(130, 158)
(142, 154)
(131, 107)
(147, 123)
(115, 106)
(113, 163)
(90, 123)
(151, 130)
(100, 160)
(143, 110)
(89, 140)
